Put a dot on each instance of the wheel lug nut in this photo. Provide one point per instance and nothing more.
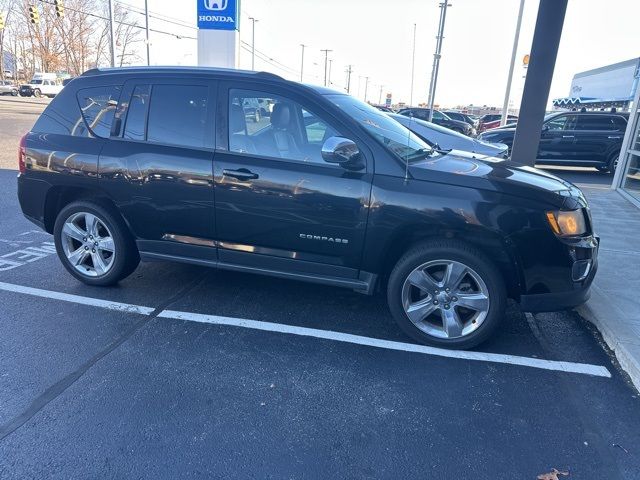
(446, 307)
(447, 290)
(86, 248)
(455, 299)
(93, 250)
(84, 239)
(435, 302)
(436, 292)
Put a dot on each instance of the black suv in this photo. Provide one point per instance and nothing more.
(161, 164)
(578, 139)
(439, 118)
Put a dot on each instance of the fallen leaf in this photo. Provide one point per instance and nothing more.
(552, 475)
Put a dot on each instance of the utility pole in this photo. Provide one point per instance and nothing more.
(413, 65)
(507, 93)
(366, 87)
(113, 35)
(349, 70)
(326, 56)
(436, 57)
(380, 96)
(146, 27)
(302, 62)
(330, 65)
(253, 42)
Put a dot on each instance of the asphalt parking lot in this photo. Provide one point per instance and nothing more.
(187, 372)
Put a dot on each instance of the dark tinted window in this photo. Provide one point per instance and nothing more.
(137, 113)
(619, 122)
(98, 105)
(596, 122)
(178, 115)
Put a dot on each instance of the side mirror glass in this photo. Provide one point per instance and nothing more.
(545, 127)
(340, 150)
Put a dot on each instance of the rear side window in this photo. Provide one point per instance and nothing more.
(137, 113)
(178, 115)
(596, 122)
(98, 104)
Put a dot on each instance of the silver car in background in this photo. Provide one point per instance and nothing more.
(447, 139)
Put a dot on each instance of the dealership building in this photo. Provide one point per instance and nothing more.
(613, 86)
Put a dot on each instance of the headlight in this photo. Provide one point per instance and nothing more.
(567, 223)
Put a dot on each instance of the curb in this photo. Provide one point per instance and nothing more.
(627, 353)
(25, 100)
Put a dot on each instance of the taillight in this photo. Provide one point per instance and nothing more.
(22, 153)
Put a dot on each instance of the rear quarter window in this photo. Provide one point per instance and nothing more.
(98, 105)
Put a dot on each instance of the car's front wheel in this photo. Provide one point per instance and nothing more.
(446, 293)
(94, 243)
(37, 93)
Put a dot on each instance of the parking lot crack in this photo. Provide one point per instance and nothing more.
(58, 388)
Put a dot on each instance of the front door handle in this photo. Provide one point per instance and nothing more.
(614, 137)
(568, 136)
(240, 174)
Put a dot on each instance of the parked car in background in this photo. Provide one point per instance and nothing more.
(439, 118)
(42, 84)
(7, 87)
(446, 139)
(159, 164)
(487, 122)
(383, 108)
(462, 117)
(580, 139)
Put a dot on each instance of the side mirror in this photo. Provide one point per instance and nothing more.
(340, 150)
(545, 127)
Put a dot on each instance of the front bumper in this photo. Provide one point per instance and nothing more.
(579, 294)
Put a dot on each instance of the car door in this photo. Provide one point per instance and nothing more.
(158, 167)
(557, 140)
(279, 206)
(594, 135)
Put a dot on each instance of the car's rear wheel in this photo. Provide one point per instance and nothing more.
(14, 92)
(612, 163)
(94, 244)
(447, 294)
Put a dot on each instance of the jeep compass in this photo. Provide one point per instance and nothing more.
(162, 164)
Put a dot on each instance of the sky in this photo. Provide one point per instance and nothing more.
(376, 38)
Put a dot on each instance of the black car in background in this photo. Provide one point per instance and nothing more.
(160, 163)
(461, 117)
(578, 139)
(439, 118)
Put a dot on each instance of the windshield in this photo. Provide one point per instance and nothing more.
(36, 82)
(396, 138)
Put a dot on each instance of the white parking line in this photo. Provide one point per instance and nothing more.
(67, 297)
(567, 367)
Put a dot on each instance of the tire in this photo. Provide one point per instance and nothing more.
(14, 93)
(37, 93)
(479, 278)
(80, 248)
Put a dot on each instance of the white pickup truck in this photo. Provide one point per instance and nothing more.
(46, 84)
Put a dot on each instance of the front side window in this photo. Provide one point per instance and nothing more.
(563, 122)
(178, 115)
(98, 105)
(392, 135)
(275, 126)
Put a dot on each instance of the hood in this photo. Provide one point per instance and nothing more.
(490, 173)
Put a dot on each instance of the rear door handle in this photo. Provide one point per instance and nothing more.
(240, 174)
(614, 138)
(568, 136)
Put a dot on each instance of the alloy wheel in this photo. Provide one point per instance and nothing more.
(88, 244)
(445, 299)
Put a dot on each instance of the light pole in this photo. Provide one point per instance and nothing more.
(380, 96)
(253, 42)
(349, 70)
(112, 34)
(302, 62)
(436, 57)
(507, 93)
(330, 65)
(146, 27)
(413, 65)
(326, 56)
(366, 88)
